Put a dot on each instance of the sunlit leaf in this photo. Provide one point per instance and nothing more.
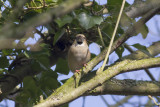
(144, 31)
(7, 51)
(87, 21)
(142, 48)
(51, 1)
(64, 20)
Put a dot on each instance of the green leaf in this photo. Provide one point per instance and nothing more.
(35, 3)
(62, 66)
(41, 59)
(36, 66)
(115, 5)
(41, 64)
(27, 54)
(64, 20)
(30, 88)
(29, 85)
(114, 2)
(30, 14)
(144, 31)
(126, 21)
(93, 55)
(120, 51)
(5, 13)
(142, 48)
(87, 21)
(4, 62)
(108, 29)
(58, 35)
(7, 52)
(23, 98)
(51, 1)
(12, 3)
(2, 71)
(51, 78)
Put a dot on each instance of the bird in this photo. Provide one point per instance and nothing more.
(78, 54)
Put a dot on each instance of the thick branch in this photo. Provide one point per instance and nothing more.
(59, 98)
(154, 50)
(12, 81)
(127, 87)
(140, 8)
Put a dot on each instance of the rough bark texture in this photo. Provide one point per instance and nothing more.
(127, 87)
(68, 92)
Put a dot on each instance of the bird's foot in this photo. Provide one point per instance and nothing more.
(77, 71)
(85, 65)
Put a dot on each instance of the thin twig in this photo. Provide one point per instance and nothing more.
(122, 101)
(4, 4)
(112, 39)
(104, 100)
(40, 7)
(100, 35)
(34, 3)
(154, 100)
(146, 70)
(84, 98)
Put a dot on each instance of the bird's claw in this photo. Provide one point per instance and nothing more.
(78, 71)
(85, 65)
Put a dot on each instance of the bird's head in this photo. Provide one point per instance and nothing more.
(80, 39)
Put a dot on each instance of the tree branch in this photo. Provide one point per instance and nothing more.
(127, 87)
(139, 8)
(61, 96)
(154, 50)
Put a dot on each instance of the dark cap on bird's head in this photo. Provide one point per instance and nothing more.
(80, 38)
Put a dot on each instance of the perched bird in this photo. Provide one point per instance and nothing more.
(78, 54)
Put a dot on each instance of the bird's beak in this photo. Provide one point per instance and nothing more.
(80, 39)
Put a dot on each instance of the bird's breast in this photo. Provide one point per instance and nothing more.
(79, 53)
